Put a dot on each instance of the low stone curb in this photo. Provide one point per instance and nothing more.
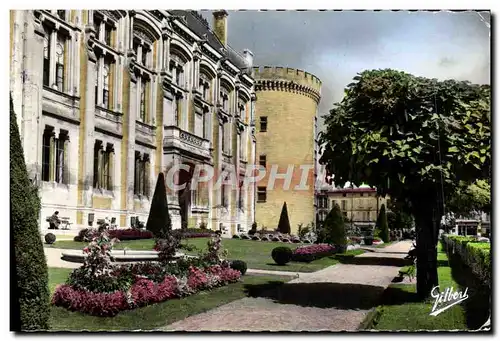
(372, 316)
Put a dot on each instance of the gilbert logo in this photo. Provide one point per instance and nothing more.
(447, 299)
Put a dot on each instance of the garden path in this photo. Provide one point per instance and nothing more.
(336, 298)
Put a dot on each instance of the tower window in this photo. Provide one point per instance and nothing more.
(263, 124)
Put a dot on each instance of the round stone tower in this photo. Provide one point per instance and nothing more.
(286, 117)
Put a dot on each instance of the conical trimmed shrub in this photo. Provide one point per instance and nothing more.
(334, 227)
(284, 223)
(382, 226)
(30, 304)
(159, 222)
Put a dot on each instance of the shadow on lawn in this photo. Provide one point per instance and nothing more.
(477, 306)
(320, 295)
(383, 261)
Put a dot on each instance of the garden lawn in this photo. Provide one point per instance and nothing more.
(402, 311)
(155, 315)
(256, 254)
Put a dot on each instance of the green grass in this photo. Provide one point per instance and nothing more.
(57, 276)
(402, 311)
(256, 254)
(153, 316)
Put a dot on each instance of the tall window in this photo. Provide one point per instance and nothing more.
(241, 198)
(263, 124)
(223, 136)
(241, 111)
(145, 55)
(103, 166)
(97, 87)
(97, 26)
(205, 87)
(224, 99)
(105, 85)
(46, 60)
(60, 47)
(141, 174)
(204, 125)
(107, 34)
(178, 110)
(261, 194)
(242, 146)
(54, 159)
(136, 47)
(104, 29)
(143, 100)
(262, 160)
(223, 194)
(177, 69)
(344, 205)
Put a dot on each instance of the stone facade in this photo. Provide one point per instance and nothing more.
(107, 99)
(286, 115)
(361, 204)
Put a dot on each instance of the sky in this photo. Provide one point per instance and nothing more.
(335, 46)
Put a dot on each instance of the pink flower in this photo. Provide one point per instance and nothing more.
(86, 249)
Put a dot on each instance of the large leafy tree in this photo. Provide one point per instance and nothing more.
(413, 138)
(471, 198)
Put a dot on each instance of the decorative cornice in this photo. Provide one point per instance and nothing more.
(287, 86)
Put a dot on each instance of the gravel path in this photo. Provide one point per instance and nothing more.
(54, 260)
(333, 299)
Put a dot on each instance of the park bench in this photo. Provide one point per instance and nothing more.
(65, 222)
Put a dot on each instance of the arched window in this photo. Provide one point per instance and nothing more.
(178, 67)
(144, 39)
(206, 80)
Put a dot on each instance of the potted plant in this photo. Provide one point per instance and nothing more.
(368, 240)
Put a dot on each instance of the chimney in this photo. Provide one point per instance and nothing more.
(248, 56)
(220, 26)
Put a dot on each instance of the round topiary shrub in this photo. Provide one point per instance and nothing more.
(282, 255)
(50, 238)
(239, 265)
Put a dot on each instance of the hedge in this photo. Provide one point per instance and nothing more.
(30, 303)
(476, 255)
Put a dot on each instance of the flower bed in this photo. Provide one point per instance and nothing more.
(143, 291)
(312, 252)
(196, 233)
(102, 288)
(130, 234)
(476, 255)
(356, 239)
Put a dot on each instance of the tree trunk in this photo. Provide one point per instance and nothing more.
(427, 277)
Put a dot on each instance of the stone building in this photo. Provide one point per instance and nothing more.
(361, 205)
(286, 115)
(105, 100)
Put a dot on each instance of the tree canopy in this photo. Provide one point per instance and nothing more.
(470, 199)
(413, 138)
(406, 135)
